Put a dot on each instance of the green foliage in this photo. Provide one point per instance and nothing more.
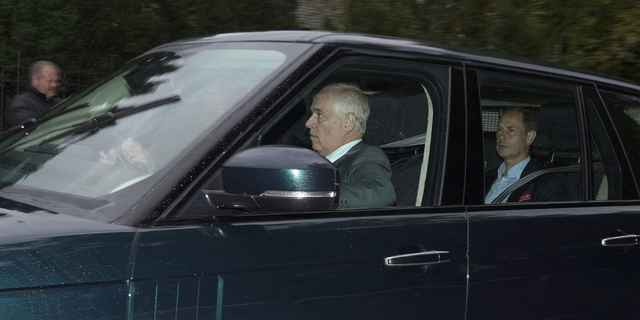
(597, 35)
(91, 30)
(37, 28)
(383, 17)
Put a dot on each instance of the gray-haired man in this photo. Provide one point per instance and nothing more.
(40, 95)
(336, 127)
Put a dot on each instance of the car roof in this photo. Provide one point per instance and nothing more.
(409, 46)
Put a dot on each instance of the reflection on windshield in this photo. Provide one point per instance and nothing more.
(107, 118)
(72, 152)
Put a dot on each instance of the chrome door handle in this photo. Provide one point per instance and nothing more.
(621, 241)
(418, 259)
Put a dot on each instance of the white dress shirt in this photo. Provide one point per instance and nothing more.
(338, 153)
(502, 183)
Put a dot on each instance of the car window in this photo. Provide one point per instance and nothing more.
(401, 122)
(555, 157)
(625, 113)
(405, 101)
(611, 178)
(122, 132)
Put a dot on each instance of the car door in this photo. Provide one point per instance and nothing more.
(205, 262)
(562, 259)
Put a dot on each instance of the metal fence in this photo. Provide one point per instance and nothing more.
(14, 79)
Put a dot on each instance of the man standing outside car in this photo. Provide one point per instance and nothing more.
(516, 131)
(39, 96)
(336, 127)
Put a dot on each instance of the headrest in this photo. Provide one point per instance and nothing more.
(557, 128)
(397, 115)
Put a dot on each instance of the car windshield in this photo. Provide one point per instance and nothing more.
(82, 155)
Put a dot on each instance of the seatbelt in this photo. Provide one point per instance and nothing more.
(418, 140)
(531, 176)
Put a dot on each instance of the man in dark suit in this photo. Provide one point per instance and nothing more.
(336, 126)
(39, 96)
(515, 133)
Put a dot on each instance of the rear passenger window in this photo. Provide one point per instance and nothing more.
(610, 175)
(625, 113)
(554, 168)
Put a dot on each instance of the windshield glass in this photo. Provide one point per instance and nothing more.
(86, 152)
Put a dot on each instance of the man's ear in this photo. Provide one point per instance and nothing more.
(531, 135)
(349, 123)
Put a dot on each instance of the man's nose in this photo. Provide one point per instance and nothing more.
(310, 122)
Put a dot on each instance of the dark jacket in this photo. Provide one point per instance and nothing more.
(30, 103)
(365, 178)
(547, 187)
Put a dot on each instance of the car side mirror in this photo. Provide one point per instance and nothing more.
(277, 179)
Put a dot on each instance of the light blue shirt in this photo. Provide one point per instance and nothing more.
(338, 153)
(502, 183)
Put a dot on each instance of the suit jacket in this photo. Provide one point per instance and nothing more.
(365, 178)
(30, 103)
(547, 187)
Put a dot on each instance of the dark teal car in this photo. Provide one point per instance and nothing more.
(224, 212)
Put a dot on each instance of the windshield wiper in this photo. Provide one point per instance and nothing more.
(110, 116)
(33, 121)
(95, 121)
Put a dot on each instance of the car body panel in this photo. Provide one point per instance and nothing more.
(62, 264)
(306, 268)
(93, 301)
(550, 263)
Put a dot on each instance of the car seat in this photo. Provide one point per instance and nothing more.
(557, 142)
(397, 123)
